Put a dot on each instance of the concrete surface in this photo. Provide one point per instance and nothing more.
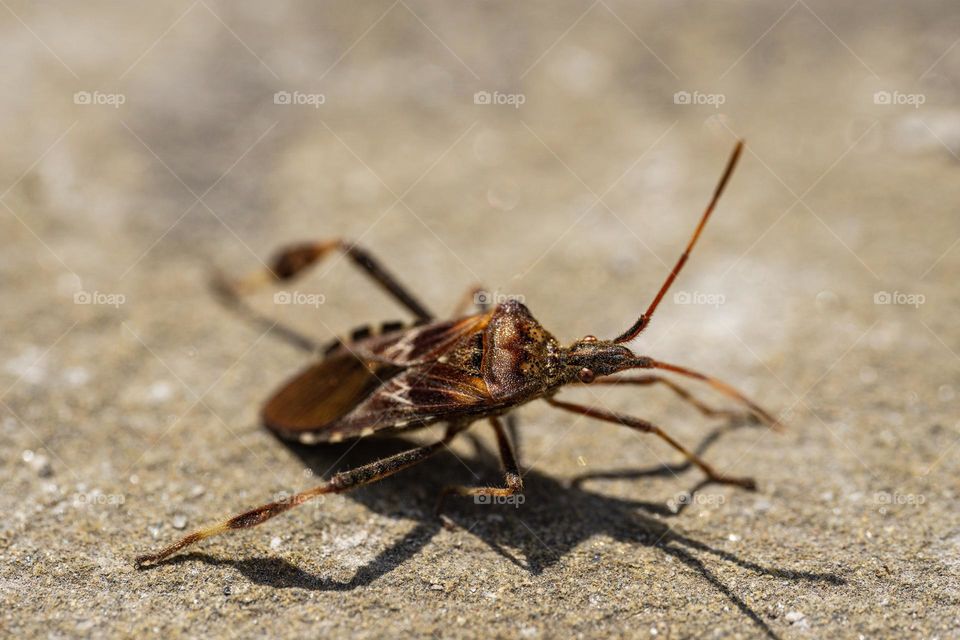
(825, 286)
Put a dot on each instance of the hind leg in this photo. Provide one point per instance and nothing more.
(340, 483)
(292, 261)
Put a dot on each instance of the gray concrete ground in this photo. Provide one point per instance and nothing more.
(146, 144)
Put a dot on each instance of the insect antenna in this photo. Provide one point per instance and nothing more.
(644, 320)
(720, 386)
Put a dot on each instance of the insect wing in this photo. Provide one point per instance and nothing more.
(323, 393)
(381, 382)
(420, 345)
(419, 395)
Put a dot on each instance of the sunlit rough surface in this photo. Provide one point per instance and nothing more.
(825, 287)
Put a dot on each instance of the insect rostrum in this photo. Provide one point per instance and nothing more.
(475, 366)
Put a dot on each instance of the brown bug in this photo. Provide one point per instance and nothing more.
(452, 371)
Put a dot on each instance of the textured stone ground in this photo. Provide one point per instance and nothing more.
(143, 147)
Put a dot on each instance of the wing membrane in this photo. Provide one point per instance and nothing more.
(323, 393)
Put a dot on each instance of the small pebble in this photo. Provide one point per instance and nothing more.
(763, 504)
(76, 376)
(827, 301)
(794, 617)
(179, 521)
(226, 590)
(275, 543)
(39, 463)
(160, 391)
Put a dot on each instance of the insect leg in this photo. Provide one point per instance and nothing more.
(339, 483)
(649, 427)
(645, 380)
(511, 472)
(292, 260)
(229, 295)
(513, 431)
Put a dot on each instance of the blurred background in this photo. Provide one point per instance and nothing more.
(561, 152)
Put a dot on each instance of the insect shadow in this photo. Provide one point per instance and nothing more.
(554, 519)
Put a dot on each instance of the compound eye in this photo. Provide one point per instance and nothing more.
(589, 339)
(586, 375)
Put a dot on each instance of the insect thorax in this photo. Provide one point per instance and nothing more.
(520, 357)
